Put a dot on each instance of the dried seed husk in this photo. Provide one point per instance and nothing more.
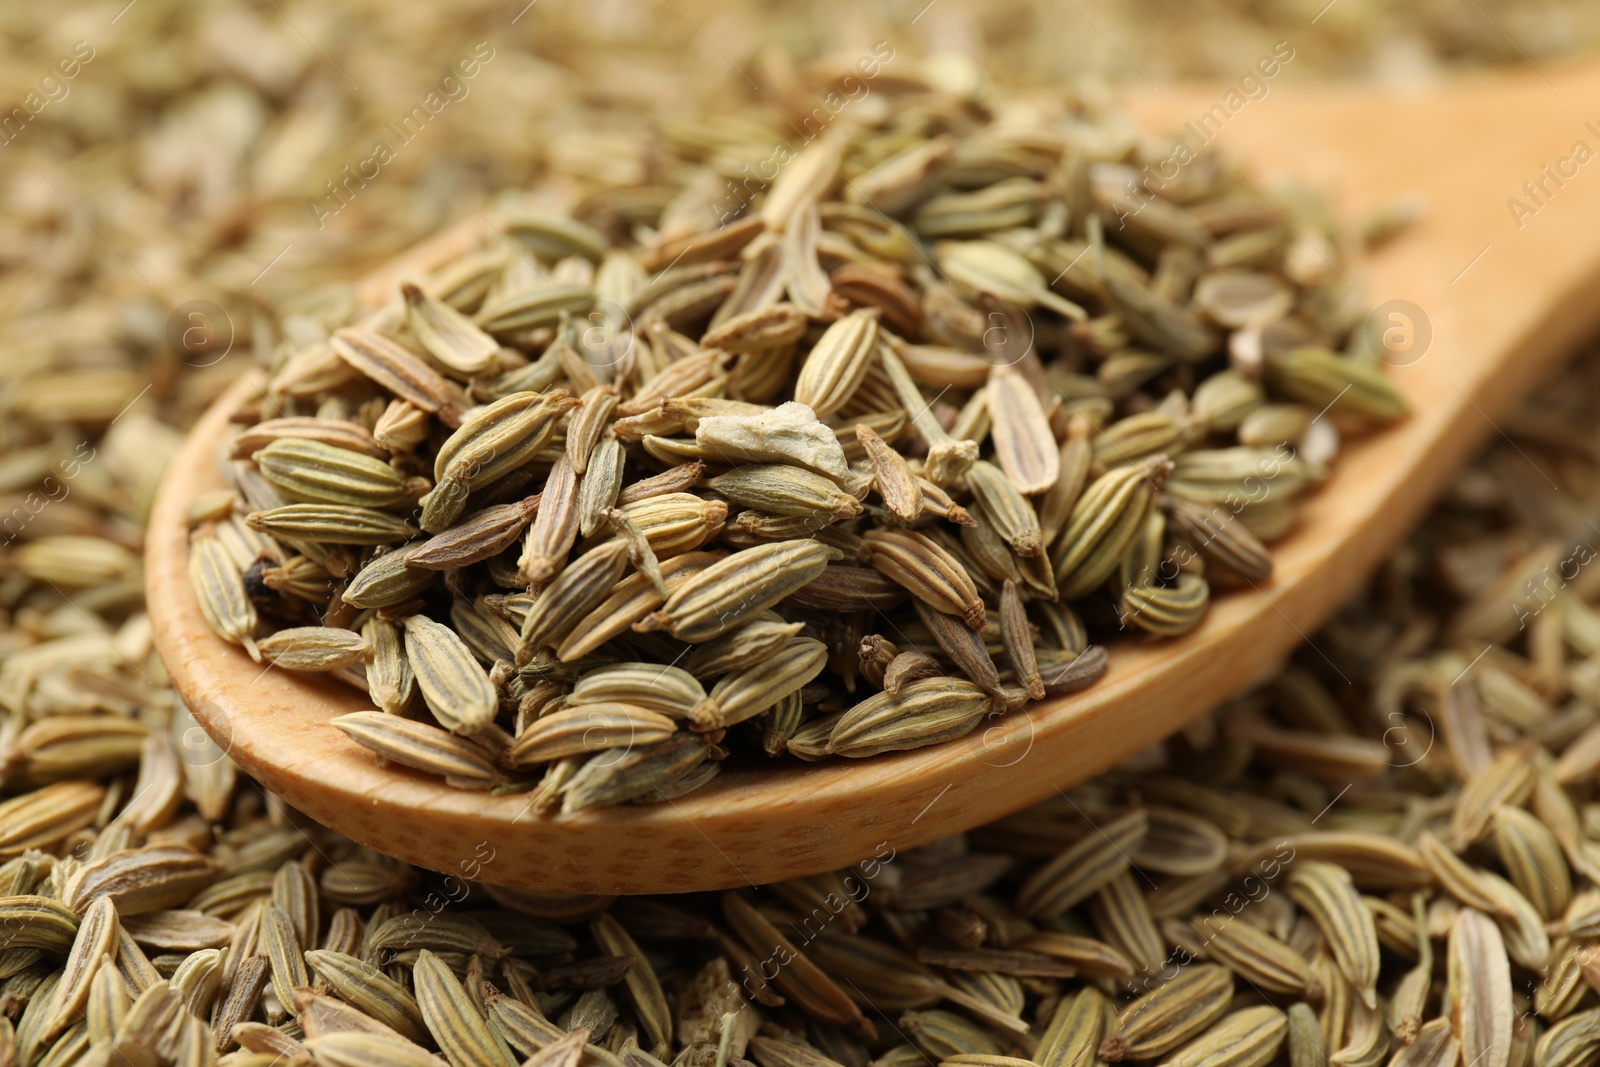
(475, 537)
(772, 1052)
(402, 427)
(879, 973)
(370, 990)
(1305, 1037)
(838, 362)
(1079, 870)
(285, 954)
(456, 689)
(1257, 956)
(644, 773)
(745, 646)
(1003, 505)
(1247, 478)
(1181, 843)
(1169, 1015)
(1074, 460)
(1329, 896)
(1087, 955)
(314, 472)
(1561, 988)
(1570, 1042)
(1435, 1046)
(757, 330)
(698, 374)
(1167, 611)
(677, 522)
(779, 724)
(992, 268)
(452, 1019)
(554, 528)
(313, 648)
(528, 308)
(1247, 1038)
(449, 336)
(1062, 675)
(1373, 860)
(962, 646)
(1025, 446)
(1533, 860)
(672, 691)
(801, 981)
(1365, 1042)
(588, 728)
(922, 713)
(672, 480)
(390, 680)
(1017, 635)
(108, 1001)
(500, 437)
(908, 667)
(219, 588)
(1103, 525)
(1076, 1031)
(943, 1034)
(1523, 930)
(602, 482)
(893, 478)
(140, 880)
(96, 936)
(424, 747)
(1409, 999)
(1480, 989)
(179, 930)
(927, 572)
(780, 489)
(1223, 400)
(1218, 535)
(334, 524)
(744, 694)
(528, 1032)
(842, 587)
(356, 1049)
(1507, 780)
(629, 601)
(397, 370)
(579, 589)
(388, 580)
(737, 588)
(335, 432)
(1140, 436)
(1322, 379)
(1238, 298)
(68, 746)
(644, 988)
(1120, 915)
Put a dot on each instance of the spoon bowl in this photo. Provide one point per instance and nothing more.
(1495, 296)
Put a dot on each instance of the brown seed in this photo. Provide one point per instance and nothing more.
(927, 572)
(397, 370)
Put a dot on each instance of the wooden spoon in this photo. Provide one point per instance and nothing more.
(1503, 302)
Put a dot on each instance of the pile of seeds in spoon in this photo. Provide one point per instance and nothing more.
(838, 465)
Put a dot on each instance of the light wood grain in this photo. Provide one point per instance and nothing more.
(1498, 325)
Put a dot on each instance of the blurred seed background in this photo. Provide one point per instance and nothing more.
(182, 159)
